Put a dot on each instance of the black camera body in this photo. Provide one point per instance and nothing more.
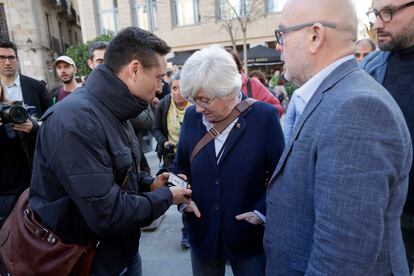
(15, 112)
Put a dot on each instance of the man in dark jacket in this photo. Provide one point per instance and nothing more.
(393, 68)
(19, 87)
(86, 184)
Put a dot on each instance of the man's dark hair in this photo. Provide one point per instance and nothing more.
(134, 43)
(369, 41)
(96, 45)
(8, 45)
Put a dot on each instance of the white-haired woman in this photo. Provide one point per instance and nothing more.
(228, 175)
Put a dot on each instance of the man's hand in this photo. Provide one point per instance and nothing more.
(192, 208)
(180, 195)
(160, 181)
(155, 101)
(25, 127)
(250, 217)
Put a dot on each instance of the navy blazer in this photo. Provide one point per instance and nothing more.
(234, 186)
(35, 94)
(335, 200)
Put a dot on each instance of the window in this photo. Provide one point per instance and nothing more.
(185, 12)
(275, 5)
(145, 15)
(107, 12)
(227, 9)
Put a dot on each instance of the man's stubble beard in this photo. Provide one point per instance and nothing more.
(400, 41)
(68, 80)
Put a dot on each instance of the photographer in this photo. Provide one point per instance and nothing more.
(167, 126)
(17, 147)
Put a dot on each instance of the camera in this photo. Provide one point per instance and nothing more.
(14, 112)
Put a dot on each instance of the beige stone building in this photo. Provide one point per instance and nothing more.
(42, 30)
(186, 25)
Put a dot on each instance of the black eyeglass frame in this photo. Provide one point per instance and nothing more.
(279, 32)
(390, 11)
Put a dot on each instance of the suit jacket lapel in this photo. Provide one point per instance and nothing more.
(209, 148)
(234, 136)
(338, 74)
(27, 95)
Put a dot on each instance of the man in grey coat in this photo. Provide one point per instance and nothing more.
(335, 199)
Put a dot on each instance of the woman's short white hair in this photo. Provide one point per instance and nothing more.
(213, 70)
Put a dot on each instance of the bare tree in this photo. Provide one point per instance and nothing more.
(240, 15)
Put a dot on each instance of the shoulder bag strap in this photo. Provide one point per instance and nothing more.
(249, 88)
(220, 126)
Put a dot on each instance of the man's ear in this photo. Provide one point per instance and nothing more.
(318, 36)
(90, 63)
(134, 69)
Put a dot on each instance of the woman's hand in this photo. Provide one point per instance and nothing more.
(192, 208)
(250, 217)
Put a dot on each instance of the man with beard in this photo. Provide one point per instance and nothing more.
(393, 67)
(18, 87)
(66, 70)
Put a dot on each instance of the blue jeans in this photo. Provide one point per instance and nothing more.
(254, 265)
(407, 228)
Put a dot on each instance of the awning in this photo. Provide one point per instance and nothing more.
(180, 57)
(261, 55)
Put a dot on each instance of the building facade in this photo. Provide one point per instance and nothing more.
(42, 30)
(186, 25)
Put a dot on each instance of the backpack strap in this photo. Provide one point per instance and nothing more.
(221, 126)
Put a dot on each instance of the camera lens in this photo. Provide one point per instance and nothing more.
(18, 114)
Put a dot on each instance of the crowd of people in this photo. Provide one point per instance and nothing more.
(330, 193)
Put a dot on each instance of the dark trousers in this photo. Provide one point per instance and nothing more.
(185, 225)
(254, 265)
(7, 203)
(407, 228)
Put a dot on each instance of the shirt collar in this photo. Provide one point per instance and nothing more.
(306, 91)
(16, 82)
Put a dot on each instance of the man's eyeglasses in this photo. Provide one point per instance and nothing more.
(386, 14)
(203, 102)
(279, 32)
(10, 58)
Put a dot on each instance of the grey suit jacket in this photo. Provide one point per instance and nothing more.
(335, 199)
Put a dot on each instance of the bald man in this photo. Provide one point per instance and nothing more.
(362, 48)
(336, 196)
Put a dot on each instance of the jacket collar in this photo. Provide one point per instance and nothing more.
(108, 89)
(331, 80)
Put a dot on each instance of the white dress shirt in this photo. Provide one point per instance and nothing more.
(303, 94)
(13, 92)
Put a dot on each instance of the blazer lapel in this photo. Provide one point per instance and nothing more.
(27, 96)
(234, 135)
(209, 148)
(338, 74)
